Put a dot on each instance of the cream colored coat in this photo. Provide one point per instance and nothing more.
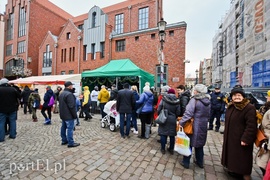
(263, 159)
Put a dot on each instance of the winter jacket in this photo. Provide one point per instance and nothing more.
(136, 97)
(265, 157)
(94, 95)
(103, 95)
(172, 105)
(184, 99)
(147, 97)
(67, 105)
(113, 95)
(217, 101)
(33, 96)
(240, 125)
(25, 94)
(86, 96)
(125, 102)
(9, 97)
(47, 96)
(198, 108)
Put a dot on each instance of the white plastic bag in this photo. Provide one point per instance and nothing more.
(182, 142)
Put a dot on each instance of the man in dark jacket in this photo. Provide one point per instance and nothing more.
(57, 93)
(68, 114)
(46, 107)
(184, 97)
(217, 108)
(114, 93)
(125, 104)
(8, 108)
(25, 96)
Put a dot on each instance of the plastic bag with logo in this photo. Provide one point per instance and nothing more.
(182, 142)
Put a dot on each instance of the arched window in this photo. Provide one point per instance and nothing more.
(94, 19)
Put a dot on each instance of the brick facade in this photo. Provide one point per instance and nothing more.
(141, 46)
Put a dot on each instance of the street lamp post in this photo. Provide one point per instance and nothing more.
(161, 28)
(197, 73)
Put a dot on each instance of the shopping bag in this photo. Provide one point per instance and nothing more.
(188, 127)
(162, 117)
(182, 142)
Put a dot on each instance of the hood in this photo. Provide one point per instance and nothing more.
(86, 88)
(170, 99)
(148, 93)
(49, 91)
(186, 93)
(26, 88)
(204, 98)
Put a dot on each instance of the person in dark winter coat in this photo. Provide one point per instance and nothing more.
(114, 93)
(8, 108)
(47, 96)
(217, 108)
(199, 109)
(124, 105)
(146, 100)
(134, 90)
(25, 96)
(56, 102)
(68, 114)
(239, 134)
(184, 97)
(171, 103)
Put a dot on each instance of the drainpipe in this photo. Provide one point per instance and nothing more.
(79, 53)
(27, 36)
(55, 58)
(129, 19)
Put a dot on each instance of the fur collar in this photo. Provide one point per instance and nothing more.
(239, 105)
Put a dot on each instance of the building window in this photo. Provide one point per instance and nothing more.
(80, 26)
(143, 18)
(68, 35)
(63, 72)
(171, 33)
(73, 55)
(119, 23)
(120, 45)
(70, 54)
(136, 38)
(164, 76)
(47, 57)
(65, 55)
(9, 49)
(84, 52)
(93, 51)
(22, 22)
(71, 72)
(21, 47)
(10, 28)
(102, 50)
(153, 36)
(94, 19)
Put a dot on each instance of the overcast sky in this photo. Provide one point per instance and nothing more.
(202, 18)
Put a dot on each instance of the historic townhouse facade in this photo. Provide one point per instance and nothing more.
(75, 44)
(241, 52)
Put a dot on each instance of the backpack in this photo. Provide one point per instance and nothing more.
(51, 102)
(36, 103)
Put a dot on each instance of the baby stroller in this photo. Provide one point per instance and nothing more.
(112, 119)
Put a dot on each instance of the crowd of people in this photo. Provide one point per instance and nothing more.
(238, 114)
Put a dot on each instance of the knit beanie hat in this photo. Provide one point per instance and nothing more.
(165, 88)
(146, 88)
(171, 91)
(200, 88)
(238, 89)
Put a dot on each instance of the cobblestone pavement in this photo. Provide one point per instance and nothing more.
(37, 153)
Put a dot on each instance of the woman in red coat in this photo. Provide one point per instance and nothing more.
(239, 135)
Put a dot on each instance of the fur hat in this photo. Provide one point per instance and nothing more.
(165, 88)
(238, 89)
(4, 81)
(200, 88)
(171, 91)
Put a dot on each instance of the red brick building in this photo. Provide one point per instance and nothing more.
(58, 43)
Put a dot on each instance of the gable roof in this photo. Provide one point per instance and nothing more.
(55, 9)
(121, 5)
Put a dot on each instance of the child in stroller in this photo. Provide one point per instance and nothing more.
(112, 119)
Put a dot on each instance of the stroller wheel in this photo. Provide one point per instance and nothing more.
(112, 127)
(103, 125)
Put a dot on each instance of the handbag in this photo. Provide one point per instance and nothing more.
(260, 137)
(182, 143)
(188, 127)
(162, 117)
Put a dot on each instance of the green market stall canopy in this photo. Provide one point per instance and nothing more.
(117, 71)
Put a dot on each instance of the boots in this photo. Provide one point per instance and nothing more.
(35, 120)
(147, 130)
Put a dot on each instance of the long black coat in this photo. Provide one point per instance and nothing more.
(125, 101)
(240, 125)
(171, 103)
